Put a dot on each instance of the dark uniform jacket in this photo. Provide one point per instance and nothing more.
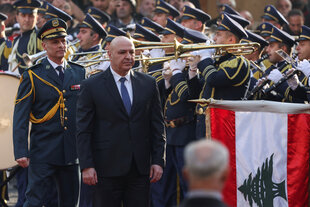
(51, 141)
(109, 139)
(225, 79)
(202, 202)
(5, 50)
(27, 43)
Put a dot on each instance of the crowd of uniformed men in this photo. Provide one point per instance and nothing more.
(262, 74)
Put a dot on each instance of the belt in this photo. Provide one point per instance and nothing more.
(177, 122)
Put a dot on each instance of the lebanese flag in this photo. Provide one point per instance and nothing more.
(269, 151)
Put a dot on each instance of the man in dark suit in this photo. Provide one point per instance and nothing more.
(120, 131)
(206, 168)
(47, 97)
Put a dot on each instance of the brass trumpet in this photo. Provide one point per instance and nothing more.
(31, 59)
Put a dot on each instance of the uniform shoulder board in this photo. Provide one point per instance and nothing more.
(34, 66)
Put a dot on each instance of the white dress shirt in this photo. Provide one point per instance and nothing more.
(127, 83)
(55, 65)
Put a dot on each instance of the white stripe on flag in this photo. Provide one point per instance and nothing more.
(254, 146)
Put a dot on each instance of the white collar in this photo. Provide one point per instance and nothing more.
(117, 76)
(55, 65)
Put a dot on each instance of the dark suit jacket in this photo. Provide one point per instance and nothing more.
(202, 202)
(50, 142)
(107, 137)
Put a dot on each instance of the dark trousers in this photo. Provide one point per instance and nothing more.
(131, 190)
(164, 193)
(42, 176)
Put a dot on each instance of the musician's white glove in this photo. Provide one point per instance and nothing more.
(146, 53)
(293, 82)
(155, 53)
(275, 76)
(103, 65)
(177, 66)
(304, 67)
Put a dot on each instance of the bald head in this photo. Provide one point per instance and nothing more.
(121, 54)
(120, 41)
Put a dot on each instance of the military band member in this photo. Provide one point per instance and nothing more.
(27, 42)
(257, 70)
(47, 97)
(274, 17)
(225, 78)
(180, 121)
(91, 35)
(222, 8)
(301, 89)
(41, 11)
(278, 40)
(194, 18)
(5, 45)
(151, 25)
(164, 11)
(238, 18)
(53, 12)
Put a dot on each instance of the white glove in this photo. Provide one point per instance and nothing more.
(155, 53)
(304, 67)
(205, 53)
(103, 65)
(177, 65)
(146, 53)
(275, 76)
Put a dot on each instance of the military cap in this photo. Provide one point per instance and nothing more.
(99, 15)
(43, 7)
(54, 12)
(271, 13)
(3, 17)
(305, 33)
(113, 32)
(242, 21)
(151, 25)
(164, 7)
(228, 24)
(281, 36)
(27, 6)
(173, 27)
(265, 29)
(193, 13)
(148, 35)
(92, 23)
(193, 36)
(226, 8)
(252, 37)
(53, 28)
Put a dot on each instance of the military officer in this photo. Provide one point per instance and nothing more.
(46, 96)
(265, 30)
(194, 18)
(225, 78)
(27, 42)
(164, 11)
(53, 12)
(5, 44)
(273, 16)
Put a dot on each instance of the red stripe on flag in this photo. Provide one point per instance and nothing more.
(223, 130)
(298, 159)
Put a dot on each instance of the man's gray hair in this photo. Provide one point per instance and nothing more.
(206, 158)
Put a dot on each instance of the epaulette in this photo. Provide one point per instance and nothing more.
(34, 66)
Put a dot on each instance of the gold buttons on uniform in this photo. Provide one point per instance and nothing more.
(66, 109)
(66, 118)
(65, 99)
(64, 91)
(65, 128)
(200, 111)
